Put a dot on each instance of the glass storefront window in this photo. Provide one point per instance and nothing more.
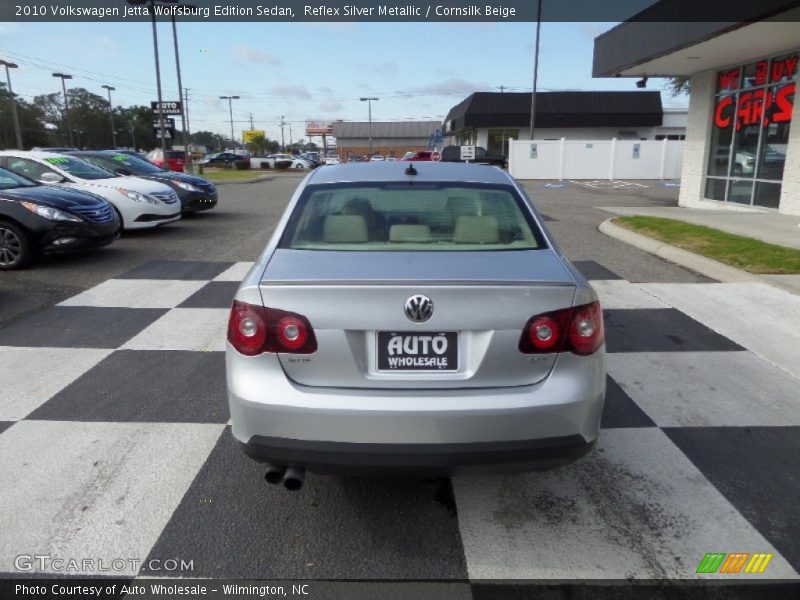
(498, 140)
(750, 131)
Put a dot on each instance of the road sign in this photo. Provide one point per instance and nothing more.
(467, 152)
(168, 133)
(168, 123)
(167, 107)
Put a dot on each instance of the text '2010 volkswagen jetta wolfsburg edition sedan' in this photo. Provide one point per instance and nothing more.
(416, 320)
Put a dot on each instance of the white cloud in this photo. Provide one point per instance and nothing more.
(453, 86)
(254, 55)
(291, 91)
(330, 106)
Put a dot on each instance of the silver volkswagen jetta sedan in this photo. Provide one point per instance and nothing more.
(413, 320)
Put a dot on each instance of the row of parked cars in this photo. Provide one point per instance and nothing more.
(52, 202)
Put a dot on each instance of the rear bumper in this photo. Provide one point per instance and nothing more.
(443, 431)
(418, 459)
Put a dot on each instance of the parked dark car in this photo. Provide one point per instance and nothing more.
(225, 159)
(37, 218)
(195, 193)
(482, 157)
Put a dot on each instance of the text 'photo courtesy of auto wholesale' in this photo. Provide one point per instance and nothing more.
(74, 200)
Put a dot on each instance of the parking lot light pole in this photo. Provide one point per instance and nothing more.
(14, 115)
(187, 154)
(111, 115)
(230, 100)
(369, 104)
(161, 129)
(64, 76)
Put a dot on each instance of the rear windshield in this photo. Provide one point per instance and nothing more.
(403, 217)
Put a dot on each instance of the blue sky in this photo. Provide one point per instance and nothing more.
(308, 70)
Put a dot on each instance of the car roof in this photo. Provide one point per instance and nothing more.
(395, 171)
(37, 154)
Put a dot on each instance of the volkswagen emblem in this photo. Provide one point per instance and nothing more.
(419, 308)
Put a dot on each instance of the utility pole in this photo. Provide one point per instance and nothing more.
(15, 116)
(64, 76)
(290, 133)
(187, 155)
(230, 109)
(369, 105)
(111, 115)
(251, 122)
(502, 87)
(536, 66)
(188, 130)
(133, 135)
(283, 145)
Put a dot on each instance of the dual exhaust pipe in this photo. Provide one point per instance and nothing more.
(291, 477)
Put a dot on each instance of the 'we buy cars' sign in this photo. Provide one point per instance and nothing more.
(771, 104)
(166, 107)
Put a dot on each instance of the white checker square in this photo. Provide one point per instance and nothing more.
(702, 389)
(636, 507)
(235, 273)
(99, 490)
(31, 376)
(199, 329)
(136, 293)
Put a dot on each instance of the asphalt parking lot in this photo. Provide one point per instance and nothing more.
(123, 447)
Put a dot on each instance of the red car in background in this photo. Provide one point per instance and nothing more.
(176, 159)
(421, 155)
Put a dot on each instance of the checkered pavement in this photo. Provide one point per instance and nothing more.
(114, 442)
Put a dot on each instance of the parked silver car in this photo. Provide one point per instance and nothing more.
(413, 320)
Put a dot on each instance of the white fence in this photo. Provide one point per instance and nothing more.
(592, 159)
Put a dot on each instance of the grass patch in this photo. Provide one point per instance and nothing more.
(232, 174)
(735, 250)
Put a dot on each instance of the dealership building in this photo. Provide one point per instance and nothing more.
(742, 147)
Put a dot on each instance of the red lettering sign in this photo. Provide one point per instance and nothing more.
(761, 72)
(729, 80)
(753, 108)
(783, 104)
(722, 113)
(783, 68)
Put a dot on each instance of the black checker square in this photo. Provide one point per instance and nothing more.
(594, 270)
(334, 528)
(186, 270)
(79, 327)
(5, 425)
(660, 330)
(215, 294)
(757, 469)
(162, 386)
(620, 410)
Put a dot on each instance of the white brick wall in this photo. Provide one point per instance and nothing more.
(698, 134)
(790, 191)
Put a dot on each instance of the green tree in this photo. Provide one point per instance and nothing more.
(31, 123)
(679, 85)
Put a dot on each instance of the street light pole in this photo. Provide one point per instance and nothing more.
(187, 157)
(64, 76)
(369, 109)
(536, 66)
(283, 145)
(230, 100)
(111, 115)
(15, 116)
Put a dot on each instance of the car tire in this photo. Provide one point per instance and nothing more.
(16, 250)
(299, 167)
(119, 218)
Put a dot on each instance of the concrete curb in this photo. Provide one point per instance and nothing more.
(254, 180)
(700, 264)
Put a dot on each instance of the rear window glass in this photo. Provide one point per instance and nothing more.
(403, 217)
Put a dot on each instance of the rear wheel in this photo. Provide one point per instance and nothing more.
(15, 247)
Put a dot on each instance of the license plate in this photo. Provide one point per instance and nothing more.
(415, 351)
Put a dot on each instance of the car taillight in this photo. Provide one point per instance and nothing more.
(578, 330)
(255, 329)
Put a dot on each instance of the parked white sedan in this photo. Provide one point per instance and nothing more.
(139, 203)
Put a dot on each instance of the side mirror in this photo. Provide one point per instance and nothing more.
(47, 178)
(122, 171)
